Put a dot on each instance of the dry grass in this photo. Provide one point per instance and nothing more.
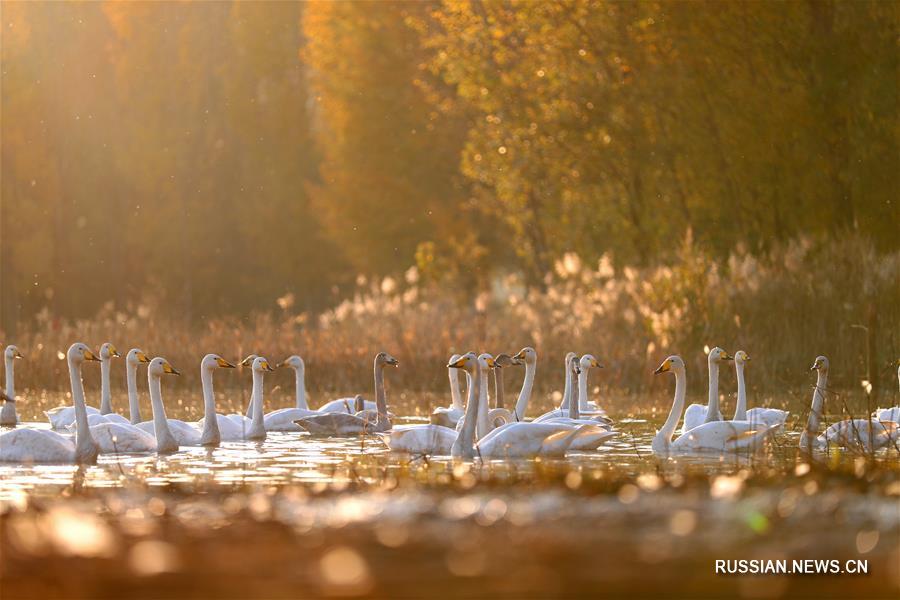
(783, 308)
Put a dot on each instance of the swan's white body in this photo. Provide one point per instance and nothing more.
(771, 417)
(713, 437)
(45, 446)
(449, 416)
(345, 405)
(706, 413)
(283, 419)
(340, 424)
(427, 439)
(864, 435)
(892, 413)
(63, 416)
(527, 440)
(8, 416)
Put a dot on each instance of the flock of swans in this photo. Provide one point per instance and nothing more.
(466, 429)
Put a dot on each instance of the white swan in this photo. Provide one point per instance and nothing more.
(773, 417)
(62, 417)
(343, 424)
(487, 418)
(45, 446)
(8, 416)
(134, 358)
(210, 434)
(572, 393)
(107, 353)
(283, 418)
(700, 413)
(115, 438)
(572, 412)
(449, 416)
(529, 357)
(892, 413)
(236, 427)
(718, 437)
(866, 435)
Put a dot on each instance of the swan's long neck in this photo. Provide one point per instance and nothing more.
(498, 388)
(464, 445)
(455, 395)
(105, 396)
(300, 385)
(740, 412)
(809, 434)
(257, 425)
(165, 441)
(525, 393)
(567, 389)
(664, 436)
(10, 377)
(380, 396)
(134, 406)
(85, 447)
(211, 435)
(712, 410)
(575, 410)
(483, 425)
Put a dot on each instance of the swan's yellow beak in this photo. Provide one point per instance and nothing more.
(265, 366)
(113, 351)
(521, 354)
(224, 363)
(663, 368)
(88, 355)
(143, 357)
(167, 368)
(491, 363)
(726, 356)
(596, 364)
(458, 363)
(19, 355)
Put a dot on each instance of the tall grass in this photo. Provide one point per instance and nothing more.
(783, 307)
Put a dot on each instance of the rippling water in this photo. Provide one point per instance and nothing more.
(617, 519)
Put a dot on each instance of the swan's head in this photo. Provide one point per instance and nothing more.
(260, 364)
(383, 359)
(589, 362)
(466, 361)
(248, 362)
(78, 353)
(821, 365)
(12, 352)
(214, 361)
(570, 356)
(528, 355)
(136, 356)
(294, 362)
(454, 358)
(486, 361)
(505, 360)
(717, 355)
(160, 366)
(741, 358)
(108, 351)
(673, 363)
